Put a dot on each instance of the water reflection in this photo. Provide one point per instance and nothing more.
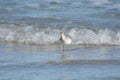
(66, 55)
(74, 63)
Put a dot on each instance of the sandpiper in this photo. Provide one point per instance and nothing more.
(66, 39)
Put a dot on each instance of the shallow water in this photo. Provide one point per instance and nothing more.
(29, 34)
(33, 62)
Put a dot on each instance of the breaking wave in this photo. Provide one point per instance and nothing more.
(49, 35)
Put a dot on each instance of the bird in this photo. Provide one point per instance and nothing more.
(65, 39)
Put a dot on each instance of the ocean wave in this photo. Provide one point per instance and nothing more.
(49, 35)
(33, 5)
(100, 2)
(114, 6)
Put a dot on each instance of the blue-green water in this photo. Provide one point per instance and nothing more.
(30, 62)
(29, 34)
(42, 21)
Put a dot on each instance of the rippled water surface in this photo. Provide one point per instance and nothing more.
(29, 34)
(41, 21)
(51, 63)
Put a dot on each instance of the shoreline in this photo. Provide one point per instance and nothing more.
(20, 62)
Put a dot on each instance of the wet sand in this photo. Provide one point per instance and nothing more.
(76, 62)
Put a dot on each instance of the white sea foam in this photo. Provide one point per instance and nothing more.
(114, 6)
(55, 1)
(99, 3)
(33, 5)
(32, 35)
